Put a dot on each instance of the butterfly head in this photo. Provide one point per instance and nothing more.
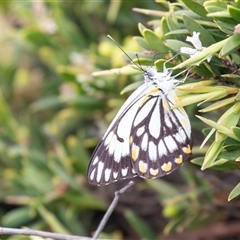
(151, 75)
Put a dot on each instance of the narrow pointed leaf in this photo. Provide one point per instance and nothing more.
(195, 7)
(236, 131)
(212, 154)
(154, 42)
(205, 37)
(234, 12)
(234, 193)
(231, 45)
(142, 42)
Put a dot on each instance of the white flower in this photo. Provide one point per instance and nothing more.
(196, 43)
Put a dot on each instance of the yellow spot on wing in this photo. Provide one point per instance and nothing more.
(154, 172)
(142, 167)
(179, 160)
(166, 167)
(184, 121)
(130, 139)
(187, 149)
(165, 105)
(155, 90)
(135, 152)
(181, 109)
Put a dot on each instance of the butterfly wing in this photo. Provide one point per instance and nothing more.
(111, 160)
(160, 138)
(147, 138)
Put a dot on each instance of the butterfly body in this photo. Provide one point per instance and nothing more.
(147, 138)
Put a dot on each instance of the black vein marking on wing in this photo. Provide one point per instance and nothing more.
(171, 154)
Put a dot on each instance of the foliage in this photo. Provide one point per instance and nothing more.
(217, 23)
(53, 111)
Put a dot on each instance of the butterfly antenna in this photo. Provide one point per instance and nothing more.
(138, 65)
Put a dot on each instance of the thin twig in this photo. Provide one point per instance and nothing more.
(58, 236)
(110, 209)
(28, 232)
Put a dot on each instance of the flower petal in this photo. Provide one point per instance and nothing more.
(187, 50)
(195, 41)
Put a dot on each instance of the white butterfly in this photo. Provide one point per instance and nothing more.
(147, 138)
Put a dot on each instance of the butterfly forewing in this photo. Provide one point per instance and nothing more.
(111, 160)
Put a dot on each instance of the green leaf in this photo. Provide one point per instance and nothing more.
(52, 220)
(196, 98)
(78, 152)
(63, 174)
(144, 61)
(175, 223)
(198, 161)
(236, 131)
(171, 23)
(238, 96)
(41, 180)
(195, 7)
(38, 39)
(164, 188)
(139, 225)
(222, 127)
(46, 103)
(84, 201)
(230, 155)
(141, 28)
(234, 193)
(69, 29)
(224, 165)
(175, 45)
(178, 31)
(209, 136)
(205, 37)
(7, 120)
(225, 27)
(223, 16)
(154, 42)
(231, 117)
(234, 12)
(70, 221)
(85, 102)
(231, 45)
(164, 27)
(218, 104)
(212, 154)
(142, 42)
(231, 144)
(214, 6)
(221, 164)
(17, 217)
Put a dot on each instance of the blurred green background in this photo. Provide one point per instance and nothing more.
(53, 113)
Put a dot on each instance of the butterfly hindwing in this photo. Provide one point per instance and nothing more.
(160, 137)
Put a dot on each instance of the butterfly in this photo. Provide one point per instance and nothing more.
(147, 138)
